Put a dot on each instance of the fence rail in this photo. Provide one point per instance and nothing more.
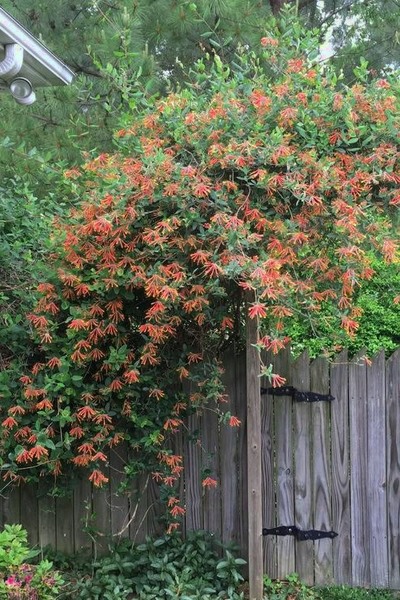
(328, 465)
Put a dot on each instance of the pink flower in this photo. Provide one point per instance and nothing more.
(11, 581)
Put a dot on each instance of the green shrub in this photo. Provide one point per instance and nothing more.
(288, 589)
(20, 580)
(292, 588)
(343, 592)
(166, 568)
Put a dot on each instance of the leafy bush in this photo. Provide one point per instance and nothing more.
(165, 568)
(260, 191)
(20, 580)
(292, 588)
(343, 592)
(289, 589)
(378, 323)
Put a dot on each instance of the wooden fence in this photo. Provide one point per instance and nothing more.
(329, 465)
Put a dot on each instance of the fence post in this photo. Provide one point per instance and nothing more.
(254, 460)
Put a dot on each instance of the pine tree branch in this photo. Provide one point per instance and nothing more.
(86, 70)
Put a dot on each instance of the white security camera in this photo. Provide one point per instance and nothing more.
(22, 91)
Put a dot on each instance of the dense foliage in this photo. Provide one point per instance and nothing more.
(271, 183)
(378, 324)
(167, 567)
(115, 46)
(19, 578)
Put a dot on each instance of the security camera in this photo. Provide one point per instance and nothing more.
(22, 91)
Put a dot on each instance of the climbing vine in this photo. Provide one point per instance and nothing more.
(274, 180)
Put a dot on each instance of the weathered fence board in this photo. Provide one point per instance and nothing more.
(268, 478)
(376, 474)
(193, 475)
(82, 508)
(325, 466)
(119, 500)
(393, 466)
(358, 461)
(229, 460)
(341, 470)
(319, 377)
(284, 465)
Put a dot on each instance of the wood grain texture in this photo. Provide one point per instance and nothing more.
(303, 490)
(376, 472)
(253, 369)
(268, 474)
(82, 510)
(178, 449)
(119, 500)
(46, 517)
(155, 510)
(65, 524)
(101, 518)
(341, 470)
(29, 512)
(11, 504)
(284, 467)
(193, 466)
(319, 374)
(393, 466)
(211, 466)
(229, 457)
(241, 401)
(138, 508)
(358, 405)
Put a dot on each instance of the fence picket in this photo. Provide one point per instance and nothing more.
(359, 466)
(229, 458)
(82, 511)
(376, 435)
(194, 512)
(319, 375)
(340, 470)
(284, 465)
(393, 466)
(119, 499)
(268, 475)
(210, 460)
(303, 491)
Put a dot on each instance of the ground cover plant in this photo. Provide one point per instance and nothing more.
(196, 567)
(262, 189)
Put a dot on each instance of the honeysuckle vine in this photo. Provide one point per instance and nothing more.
(274, 179)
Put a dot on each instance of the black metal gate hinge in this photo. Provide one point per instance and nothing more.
(299, 534)
(297, 395)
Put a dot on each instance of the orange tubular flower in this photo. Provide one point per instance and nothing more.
(86, 413)
(98, 478)
(209, 482)
(177, 511)
(277, 380)
(38, 452)
(9, 423)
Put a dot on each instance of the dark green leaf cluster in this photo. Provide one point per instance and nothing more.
(166, 568)
(378, 325)
(292, 588)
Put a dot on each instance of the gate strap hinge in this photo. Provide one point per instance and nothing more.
(299, 534)
(297, 395)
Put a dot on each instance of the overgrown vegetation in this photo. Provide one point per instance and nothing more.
(270, 183)
(19, 578)
(195, 568)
